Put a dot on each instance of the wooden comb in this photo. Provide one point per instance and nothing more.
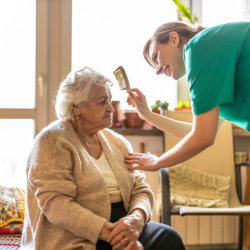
(122, 78)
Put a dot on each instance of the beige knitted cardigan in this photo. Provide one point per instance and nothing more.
(67, 201)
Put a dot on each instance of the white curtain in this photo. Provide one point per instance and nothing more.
(247, 10)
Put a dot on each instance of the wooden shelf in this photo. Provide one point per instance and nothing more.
(156, 132)
(241, 132)
(138, 131)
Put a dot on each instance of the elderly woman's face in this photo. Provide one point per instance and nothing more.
(98, 111)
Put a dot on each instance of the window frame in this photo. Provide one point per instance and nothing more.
(53, 61)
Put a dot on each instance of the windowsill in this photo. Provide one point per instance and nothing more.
(154, 131)
(240, 132)
(138, 131)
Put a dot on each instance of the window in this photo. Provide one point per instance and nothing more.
(216, 12)
(16, 45)
(16, 142)
(21, 115)
(106, 34)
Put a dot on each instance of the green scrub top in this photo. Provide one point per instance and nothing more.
(217, 62)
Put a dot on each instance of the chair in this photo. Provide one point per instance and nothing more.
(217, 159)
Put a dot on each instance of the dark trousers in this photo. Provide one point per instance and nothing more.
(154, 236)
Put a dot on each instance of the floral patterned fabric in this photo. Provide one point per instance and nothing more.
(11, 205)
(13, 228)
(10, 241)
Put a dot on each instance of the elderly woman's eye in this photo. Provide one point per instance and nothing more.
(102, 102)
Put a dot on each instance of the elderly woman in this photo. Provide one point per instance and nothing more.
(80, 193)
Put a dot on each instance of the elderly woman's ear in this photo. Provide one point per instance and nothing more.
(75, 109)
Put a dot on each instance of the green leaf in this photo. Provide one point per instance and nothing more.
(165, 105)
(184, 11)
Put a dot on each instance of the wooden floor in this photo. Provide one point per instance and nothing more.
(215, 247)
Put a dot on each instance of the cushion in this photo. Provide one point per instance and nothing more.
(13, 228)
(11, 205)
(192, 187)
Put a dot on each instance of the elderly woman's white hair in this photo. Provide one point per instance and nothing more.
(76, 89)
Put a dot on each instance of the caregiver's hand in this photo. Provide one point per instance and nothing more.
(138, 100)
(126, 233)
(141, 161)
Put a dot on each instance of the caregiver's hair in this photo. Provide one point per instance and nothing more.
(161, 35)
(76, 88)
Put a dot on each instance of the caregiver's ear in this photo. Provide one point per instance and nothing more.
(174, 38)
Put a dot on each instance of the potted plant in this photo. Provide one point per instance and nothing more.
(159, 106)
(183, 105)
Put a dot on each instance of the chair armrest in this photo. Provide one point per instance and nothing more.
(165, 197)
(245, 163)
(238, 177)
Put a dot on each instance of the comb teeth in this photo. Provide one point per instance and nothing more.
(122, 78)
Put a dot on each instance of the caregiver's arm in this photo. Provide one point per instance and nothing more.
(199, 138)
(168, 125)
(175, 127)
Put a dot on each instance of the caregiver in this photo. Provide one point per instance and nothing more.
(217, 63)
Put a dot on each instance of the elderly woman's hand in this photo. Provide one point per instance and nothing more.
(127, 231)
(138, 246)
(106, 230)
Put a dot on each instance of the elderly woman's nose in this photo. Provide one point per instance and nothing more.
(110, 107)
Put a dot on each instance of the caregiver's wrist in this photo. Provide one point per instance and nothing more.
(160, 163)
(149, 116)
(145, 114)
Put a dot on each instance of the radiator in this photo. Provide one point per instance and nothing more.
(207, 230)
(200, 230)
